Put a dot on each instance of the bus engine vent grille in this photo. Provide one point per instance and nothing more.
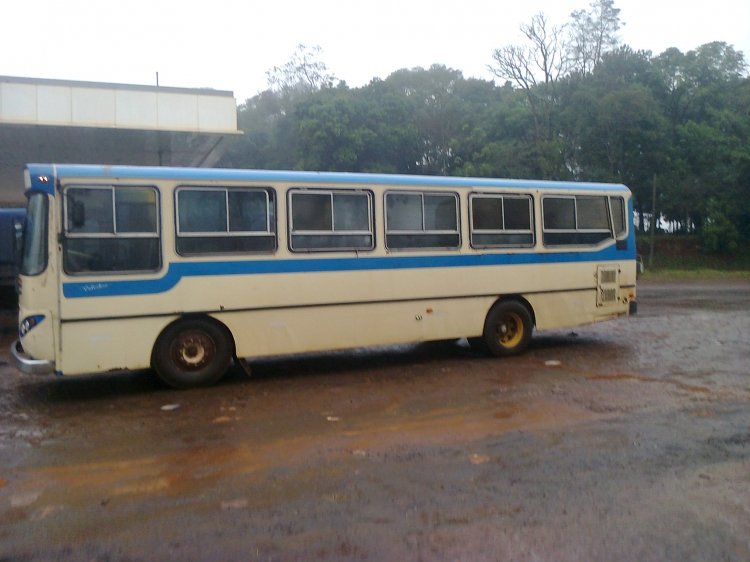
(608, 285)
(608, 295)
(608, 276)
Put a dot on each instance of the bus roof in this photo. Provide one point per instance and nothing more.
(43, 177)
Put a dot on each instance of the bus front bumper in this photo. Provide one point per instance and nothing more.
(27, 365)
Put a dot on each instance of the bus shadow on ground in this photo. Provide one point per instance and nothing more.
(388, 361)
(361, 359)
(90, 388)
(99, 387)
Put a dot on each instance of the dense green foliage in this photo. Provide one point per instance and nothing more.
(686, 255)
(679, 122)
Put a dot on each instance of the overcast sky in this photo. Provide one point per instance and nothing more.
(230, 44)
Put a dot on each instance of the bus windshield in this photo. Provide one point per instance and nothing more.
(34, 256)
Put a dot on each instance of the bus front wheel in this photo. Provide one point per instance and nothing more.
(507, 329)
(194, 352)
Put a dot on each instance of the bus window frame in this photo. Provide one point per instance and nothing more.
(271, 231)
(577, 230)
(67, 235)
(624, 234)
(502, 196)
(291, 232)
(424, 232)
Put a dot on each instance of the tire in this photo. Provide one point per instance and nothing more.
(192, 353)
(507, 329)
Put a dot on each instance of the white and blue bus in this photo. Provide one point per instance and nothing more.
(185, 270)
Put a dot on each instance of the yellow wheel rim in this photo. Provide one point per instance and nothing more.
(509, 330)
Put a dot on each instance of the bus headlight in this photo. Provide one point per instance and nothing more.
(29, 323)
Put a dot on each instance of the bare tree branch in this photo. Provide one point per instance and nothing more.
(304, 72)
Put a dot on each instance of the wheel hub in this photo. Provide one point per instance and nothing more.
(193, 350)
(508, 330)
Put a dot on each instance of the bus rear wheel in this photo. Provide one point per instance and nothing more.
(191, 353)
(507, 329)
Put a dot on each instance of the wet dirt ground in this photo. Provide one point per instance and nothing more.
(627, 440)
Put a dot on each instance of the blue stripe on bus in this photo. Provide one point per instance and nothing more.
(177, 271)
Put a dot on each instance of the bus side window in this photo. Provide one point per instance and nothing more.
(111, 229)
(575, 220)
(323, 220)
(225, 220)
(499, 221)
(89, 210)
(617, 205)
(421, 220)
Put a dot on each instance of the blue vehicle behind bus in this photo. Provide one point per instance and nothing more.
(11, 229)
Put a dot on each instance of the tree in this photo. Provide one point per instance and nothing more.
(695, 82)
(613, 125)
(593, 33)
(438, 113)
(267, 119)
(369, 129)
(719, 235)
(542, 60)
(702, 97)
(535, 68)
(623, 116)
(302, 74)
(265, 122)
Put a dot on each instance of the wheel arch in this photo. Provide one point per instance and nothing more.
(514, 298)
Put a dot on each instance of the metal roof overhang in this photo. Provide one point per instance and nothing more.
(97, 123)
